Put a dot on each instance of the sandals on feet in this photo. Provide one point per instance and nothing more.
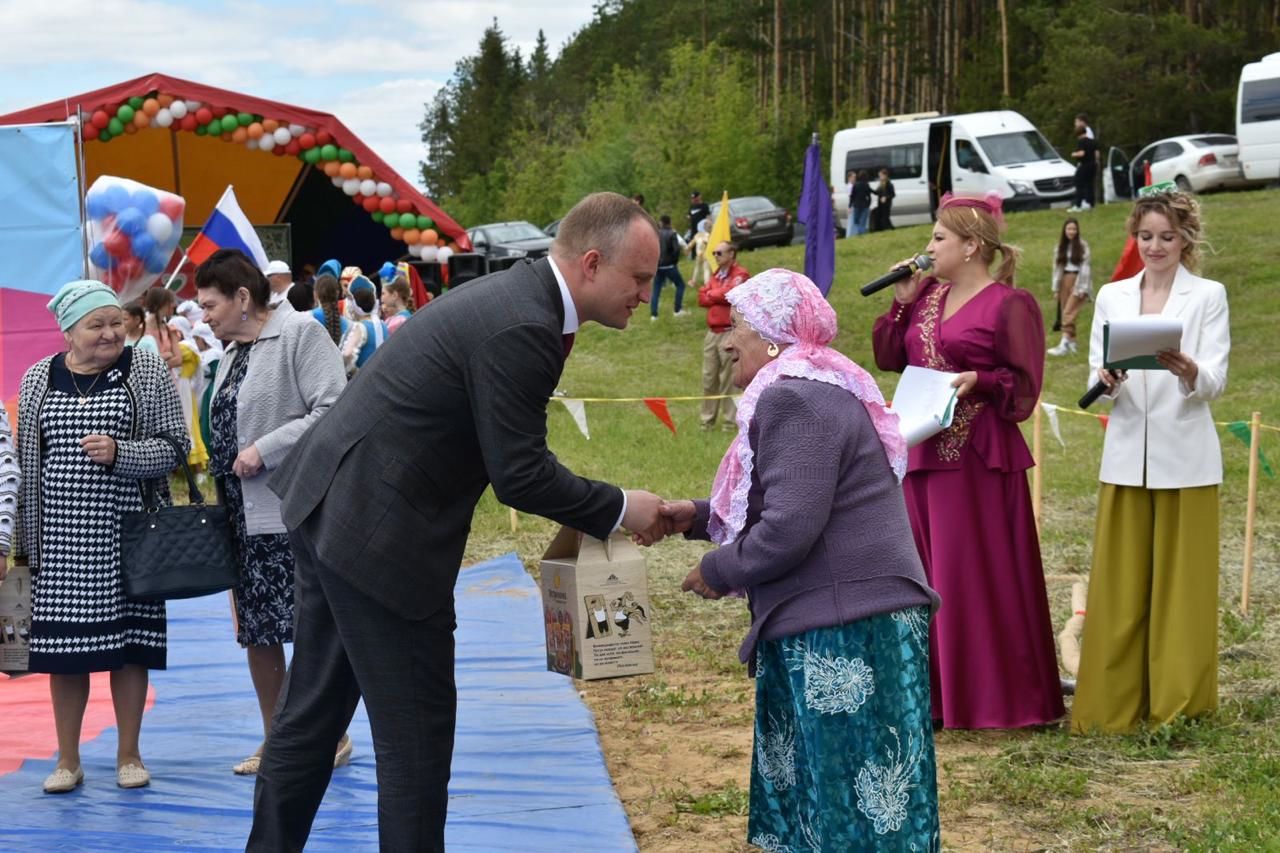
(133, 775)
(62, 780)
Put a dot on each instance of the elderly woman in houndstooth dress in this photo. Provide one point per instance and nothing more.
(88, 421)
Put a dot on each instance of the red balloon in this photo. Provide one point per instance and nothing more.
(371, 204)
(204, 115)
(279, 150)
(171, 206)
(128, 268)
(404, 206)
(324, 137)
(189, 122)
(90, 130)
(118, 245)
(307, 140)
(219, 112)
(358, 199)
(387, 204)
(100, 119)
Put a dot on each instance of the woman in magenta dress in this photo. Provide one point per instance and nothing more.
(992, 654)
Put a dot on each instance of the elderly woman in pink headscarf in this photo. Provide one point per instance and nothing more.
(809, 520)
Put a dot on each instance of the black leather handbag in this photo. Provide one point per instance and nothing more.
(176, 551)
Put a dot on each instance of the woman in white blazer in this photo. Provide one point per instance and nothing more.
(1150, 646)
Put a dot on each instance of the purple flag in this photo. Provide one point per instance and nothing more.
(815, 213)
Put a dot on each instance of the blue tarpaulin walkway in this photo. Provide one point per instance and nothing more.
(528, 773)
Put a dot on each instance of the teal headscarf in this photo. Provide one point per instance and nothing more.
(330, 267)
(77, 298)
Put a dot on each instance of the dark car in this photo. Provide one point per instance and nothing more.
(756, 221)
(553, 229)
(509, 240)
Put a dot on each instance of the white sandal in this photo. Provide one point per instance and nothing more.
(133, 775)
(248, 767)
(343, 756)
(62, 780)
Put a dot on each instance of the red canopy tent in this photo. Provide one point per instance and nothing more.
(201, 154)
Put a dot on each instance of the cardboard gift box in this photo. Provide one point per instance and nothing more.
(595, 604)
(15, 619)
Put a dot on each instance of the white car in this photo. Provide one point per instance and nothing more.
(1196, 163)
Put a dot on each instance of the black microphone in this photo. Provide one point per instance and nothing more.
(1099, 388)
(897, 274)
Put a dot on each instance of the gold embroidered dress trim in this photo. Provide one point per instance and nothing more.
(952, 440)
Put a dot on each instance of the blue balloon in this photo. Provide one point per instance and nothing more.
(101, 258)
(131, 221)
(96, 205)
(116, 198)
(157, 261)
(143, 245)
(145, 201)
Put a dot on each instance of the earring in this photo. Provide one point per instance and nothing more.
(244, 315)
(773, 350)
(968, 258)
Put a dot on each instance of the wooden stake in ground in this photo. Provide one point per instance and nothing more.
(515, 520)
(1037, 456)
(1255, 424)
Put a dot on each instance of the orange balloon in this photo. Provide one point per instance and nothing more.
(430, 238)
(165, 100)
(240, 134)
(364, 173)
(130, 128)
(331, 168)
(226, 136)
(347, 170)
(151, 106)
(412, 236)
(255, 130)
(397, 233)
(141, 119)
(270, 125)
(453, 247)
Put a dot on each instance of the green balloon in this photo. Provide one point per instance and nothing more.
(408, 220)
(229, 123)
(125, 113)
(202, 130)
(136, 103)
(391, 221)
(257, 118)
(346, 156)
(311, 155)
(376, 215)
(329, 152)
(245, 119)
(104, 136)
(116, 126)
(424, 222)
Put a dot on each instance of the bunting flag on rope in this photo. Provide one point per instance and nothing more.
(1104, 420)
(1051, 412)
(1240, 429)
(578, 411)
(658, 405)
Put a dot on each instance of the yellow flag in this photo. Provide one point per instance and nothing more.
(719, 231)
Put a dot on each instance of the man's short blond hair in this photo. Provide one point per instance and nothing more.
(600, 221)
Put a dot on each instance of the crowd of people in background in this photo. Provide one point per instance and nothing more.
(949, 599)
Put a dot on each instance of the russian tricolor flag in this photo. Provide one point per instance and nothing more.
(227, 228)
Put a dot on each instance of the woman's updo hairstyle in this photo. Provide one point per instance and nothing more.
(1183, 213)
(228, 270)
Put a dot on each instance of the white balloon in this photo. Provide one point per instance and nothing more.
(428, 253)
(338, 180)
(443, 254)
(267, 142)
(383, 189)
(296, 130)
(415, 250)
(178, 109)
(160, 227)
(163, 118)
(282, 135)
(368, 187)
(251, 144)
(351, 186)
(192, 106)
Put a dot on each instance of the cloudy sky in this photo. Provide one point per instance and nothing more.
(372, 64)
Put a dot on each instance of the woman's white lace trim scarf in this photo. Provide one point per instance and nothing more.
(787, 308)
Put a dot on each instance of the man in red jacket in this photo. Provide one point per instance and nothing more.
(717, 367)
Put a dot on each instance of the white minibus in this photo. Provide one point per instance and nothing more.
(1258, 119)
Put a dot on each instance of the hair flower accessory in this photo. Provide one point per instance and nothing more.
(992, 203)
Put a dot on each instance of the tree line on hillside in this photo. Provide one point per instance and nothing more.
(658, 98)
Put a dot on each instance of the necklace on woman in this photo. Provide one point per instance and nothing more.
(84, 395)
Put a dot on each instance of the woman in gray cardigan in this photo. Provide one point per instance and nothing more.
(279, 374)
(808, 513)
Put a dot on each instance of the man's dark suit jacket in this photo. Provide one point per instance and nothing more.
(387, 481)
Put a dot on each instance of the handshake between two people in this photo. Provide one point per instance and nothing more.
(650, 519)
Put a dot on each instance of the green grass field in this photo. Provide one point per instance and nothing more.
(1208, 784)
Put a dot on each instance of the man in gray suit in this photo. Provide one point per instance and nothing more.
(378, 497)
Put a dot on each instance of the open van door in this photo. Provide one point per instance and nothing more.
(1115, 180)
(938, 164)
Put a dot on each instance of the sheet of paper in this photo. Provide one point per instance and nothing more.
(924, 402)
(1132, 344)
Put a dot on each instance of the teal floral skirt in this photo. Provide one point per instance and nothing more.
(844, 739)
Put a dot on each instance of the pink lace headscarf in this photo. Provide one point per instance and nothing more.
(787, 308)
(991, 203)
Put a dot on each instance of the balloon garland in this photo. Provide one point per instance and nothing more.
(317, 148)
